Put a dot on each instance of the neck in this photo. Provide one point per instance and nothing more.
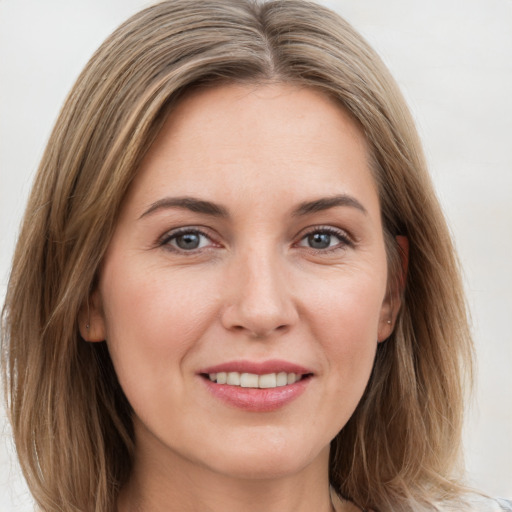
(206, 496)
(163, 481)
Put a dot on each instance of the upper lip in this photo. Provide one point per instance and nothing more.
(257, 367)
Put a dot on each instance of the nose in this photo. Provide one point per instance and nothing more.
(259, 301)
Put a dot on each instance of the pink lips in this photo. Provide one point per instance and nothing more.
(255, 399)
(259, 368)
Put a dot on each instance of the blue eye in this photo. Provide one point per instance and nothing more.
(319, 240)
(325, 238)
(187, 240)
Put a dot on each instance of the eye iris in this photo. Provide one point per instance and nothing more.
(319, 240)
(188, 241)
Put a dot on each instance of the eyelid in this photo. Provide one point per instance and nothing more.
(346, 239)
(163, 241)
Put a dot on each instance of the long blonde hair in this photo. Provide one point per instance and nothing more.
(71, 421)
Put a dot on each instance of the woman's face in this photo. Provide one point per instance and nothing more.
(244, 291)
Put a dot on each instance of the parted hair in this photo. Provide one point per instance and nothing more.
(72, 426)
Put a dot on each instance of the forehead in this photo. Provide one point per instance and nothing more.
(266, 140)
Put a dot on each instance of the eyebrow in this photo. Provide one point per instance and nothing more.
(325, 203)
(187, 203)
(216, 210)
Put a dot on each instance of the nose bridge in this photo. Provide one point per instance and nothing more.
(260, 301)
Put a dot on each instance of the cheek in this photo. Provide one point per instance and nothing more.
(153, 300)
(153, 320)
(345, 315)
(346, 307)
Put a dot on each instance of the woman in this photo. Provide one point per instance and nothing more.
(234, 287)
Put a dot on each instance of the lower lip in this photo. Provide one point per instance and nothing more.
(256, 399)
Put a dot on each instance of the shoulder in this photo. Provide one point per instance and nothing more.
(492, 505)
(479, 504)
(505, 504)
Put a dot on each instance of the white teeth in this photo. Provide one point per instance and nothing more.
(249, 380)
(268, 381)
(282, 379)
(233, 379)
(252, 380)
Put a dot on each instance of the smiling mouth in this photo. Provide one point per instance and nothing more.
(251, 386)
(255, 381)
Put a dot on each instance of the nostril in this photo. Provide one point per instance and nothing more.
(258, 319)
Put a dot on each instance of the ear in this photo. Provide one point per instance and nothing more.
(393, 301)
(91, 321)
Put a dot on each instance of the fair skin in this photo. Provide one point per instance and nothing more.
(250, 242)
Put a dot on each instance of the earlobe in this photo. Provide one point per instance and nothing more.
(385, 328)
(393, 300)
(91, 321)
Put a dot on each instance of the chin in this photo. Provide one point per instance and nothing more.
(270, 459)
(261, 468)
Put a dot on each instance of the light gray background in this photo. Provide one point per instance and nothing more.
(453, 60)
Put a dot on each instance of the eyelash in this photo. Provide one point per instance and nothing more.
(166, 240)
(343, 237)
